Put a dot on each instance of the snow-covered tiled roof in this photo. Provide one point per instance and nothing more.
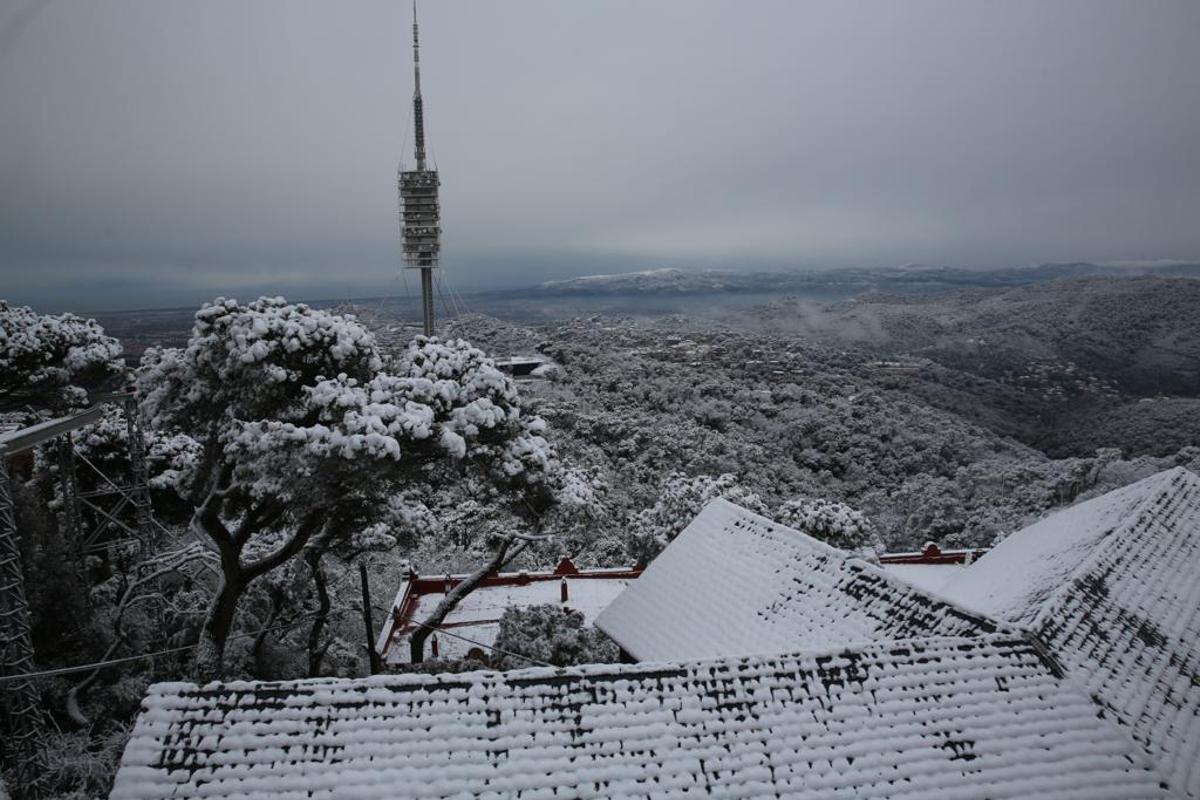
(929, 577)
(938, 718)
(735, 583)
(1112, 587)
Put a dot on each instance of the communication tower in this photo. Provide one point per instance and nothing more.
(420, 214)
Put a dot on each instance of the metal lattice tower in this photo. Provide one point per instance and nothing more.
(22, 727)
(140, 486)
(420, 214)
(22, 719)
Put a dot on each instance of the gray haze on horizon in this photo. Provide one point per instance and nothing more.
(156, 153)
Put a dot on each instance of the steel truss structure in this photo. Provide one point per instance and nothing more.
(23, 742)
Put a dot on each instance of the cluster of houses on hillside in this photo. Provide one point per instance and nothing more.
(1064, 663)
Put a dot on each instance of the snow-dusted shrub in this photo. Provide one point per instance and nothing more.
(680, 500)
(45, 355)
(830, 521)
(83, 765)
(607, 550)
(550, 634)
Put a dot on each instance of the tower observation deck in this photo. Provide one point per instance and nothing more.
(420, 212)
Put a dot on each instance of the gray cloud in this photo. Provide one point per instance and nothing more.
(156, 152)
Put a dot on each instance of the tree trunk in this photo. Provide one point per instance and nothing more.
(210, 652)
(504, 553)
(73, 707)
(209, 662)
(316, 653)
(260, 641)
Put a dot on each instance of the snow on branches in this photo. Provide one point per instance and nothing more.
(830, 521)
(269, 378)
(550, 634)
(448, 400)
(681, 498)
(249, 362)
(308, 433)
(46, 353)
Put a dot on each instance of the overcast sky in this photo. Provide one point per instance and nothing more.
(155, 152)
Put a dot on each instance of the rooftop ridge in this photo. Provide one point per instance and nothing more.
(613, 670)
(808, 539)
(879, 571)
(1162, 482)
(734, 581)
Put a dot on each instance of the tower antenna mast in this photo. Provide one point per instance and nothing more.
(420, 213)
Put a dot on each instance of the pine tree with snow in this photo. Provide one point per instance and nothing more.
(45, 359)
(305, 434)
(550, 634)
(830, 521)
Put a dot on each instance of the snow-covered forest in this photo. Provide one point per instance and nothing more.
(287, 444)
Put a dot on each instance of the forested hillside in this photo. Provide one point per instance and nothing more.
(1060, 365)
(789, 416)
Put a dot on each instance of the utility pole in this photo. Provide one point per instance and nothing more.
(420, 213)
(376, 665)
(22, 741)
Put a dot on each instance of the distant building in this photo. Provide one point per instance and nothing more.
(929, 568)
(896, 368)
(520, 366)
(470, 630)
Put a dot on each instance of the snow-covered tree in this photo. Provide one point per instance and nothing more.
(304, 435)
(680, 500)
(830, 521)
(550, 634)
(44, 357)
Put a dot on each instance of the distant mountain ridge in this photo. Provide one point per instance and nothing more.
(673, 281)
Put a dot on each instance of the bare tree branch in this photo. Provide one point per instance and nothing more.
(505, 553)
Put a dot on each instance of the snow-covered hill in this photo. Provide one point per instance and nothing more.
(669, 281)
